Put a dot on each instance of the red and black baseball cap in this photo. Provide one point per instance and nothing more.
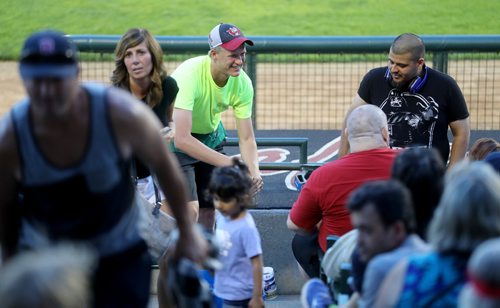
(227, 36)
(48, 53)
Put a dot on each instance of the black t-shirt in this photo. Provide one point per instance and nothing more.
(417, 119)
(170, 89)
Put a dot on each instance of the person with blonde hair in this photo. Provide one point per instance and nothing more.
(208, 86)
(467, 215)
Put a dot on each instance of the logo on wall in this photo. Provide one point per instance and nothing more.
(277, 155)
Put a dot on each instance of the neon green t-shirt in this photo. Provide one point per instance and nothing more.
(206, 100)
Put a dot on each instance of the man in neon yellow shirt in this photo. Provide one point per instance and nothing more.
(208, 85)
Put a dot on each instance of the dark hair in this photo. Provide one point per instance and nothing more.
(232, 182)
(391, 199)
(422, 170)
(409, 42)
(482, 147)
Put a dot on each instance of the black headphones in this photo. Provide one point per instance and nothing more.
(415, 85)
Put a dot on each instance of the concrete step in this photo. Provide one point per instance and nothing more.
(277, 249)
(277, 253)
(281, 301)
(284, 301)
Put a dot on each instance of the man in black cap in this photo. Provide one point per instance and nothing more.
(209, 85)
(65, 155)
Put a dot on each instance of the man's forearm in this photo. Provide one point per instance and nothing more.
(458, 149)
(461, 135)
(249, 154)
(194, 148)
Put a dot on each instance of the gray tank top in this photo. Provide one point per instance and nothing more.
(92, 200)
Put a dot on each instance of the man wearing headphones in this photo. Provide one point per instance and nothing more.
(420, 103)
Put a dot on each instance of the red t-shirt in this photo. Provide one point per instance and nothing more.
(325, 194)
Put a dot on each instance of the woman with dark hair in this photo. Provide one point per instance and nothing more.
(422, 171)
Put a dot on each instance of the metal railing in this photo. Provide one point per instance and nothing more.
(300, 142)
(309, 82)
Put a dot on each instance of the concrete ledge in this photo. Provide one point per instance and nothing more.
(277, 249)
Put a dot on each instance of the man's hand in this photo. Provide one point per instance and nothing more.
(192, 245)
(167, 133)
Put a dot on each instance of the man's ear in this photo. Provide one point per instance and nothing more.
(399, 230)
(421, 63)
(212, 53)
(385, 134)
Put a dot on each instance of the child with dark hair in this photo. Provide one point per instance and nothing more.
(239, 281)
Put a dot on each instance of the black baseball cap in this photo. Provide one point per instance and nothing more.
(48, 53)
(228, 36)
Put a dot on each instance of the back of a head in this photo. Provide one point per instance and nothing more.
(231, 182)
(482, 147)
(469, 210)
(483, 269)
(493, 159)
(57, 277)
(409, 43)
(365, 124)
(390, 198)
(422, 170)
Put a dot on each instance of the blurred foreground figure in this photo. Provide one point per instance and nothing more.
(65, 155)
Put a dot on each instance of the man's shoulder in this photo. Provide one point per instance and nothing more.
(382, 152)
(377, 72)
(6, 131)
(440, 78)
(347, 160)
(189, 65)
(194, 60)
(413, 245)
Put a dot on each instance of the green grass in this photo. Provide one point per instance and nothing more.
(18, 18)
